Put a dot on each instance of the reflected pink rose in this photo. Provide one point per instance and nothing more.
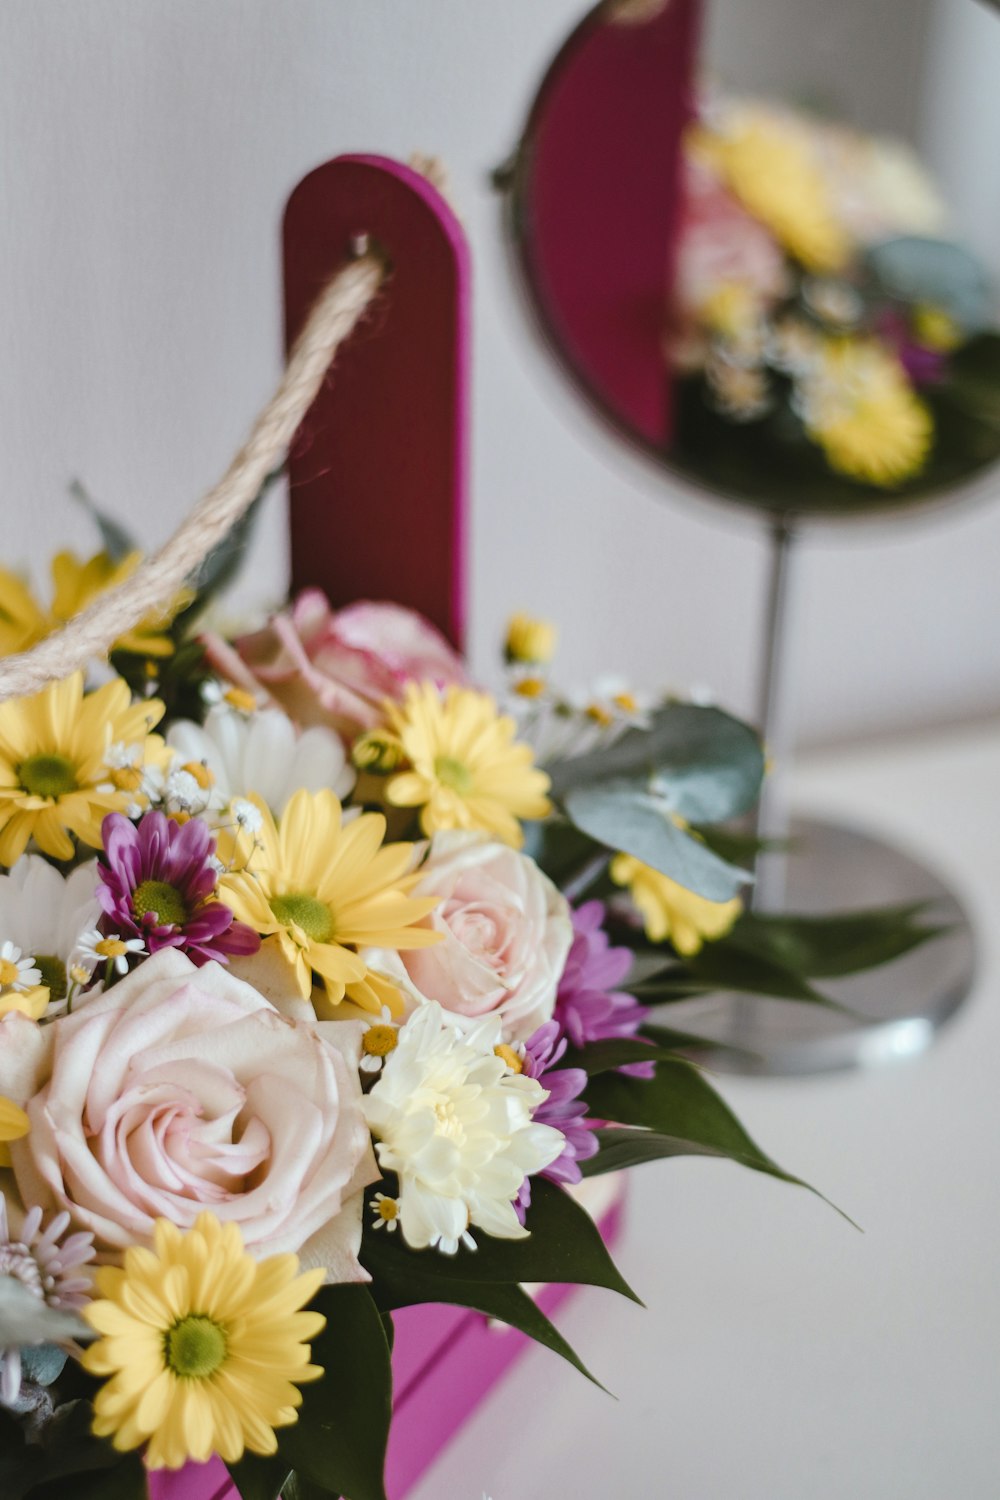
(335, 667)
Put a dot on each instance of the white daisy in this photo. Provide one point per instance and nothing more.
(128, 771)
(96, 948)
(381, 1037)
(455, 1125)
(17, 971)
(44, 914)
(385, 1212)
(235, 753)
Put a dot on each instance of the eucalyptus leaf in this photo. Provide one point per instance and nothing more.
(708, 763)
(564, 1245)
(42, 1363)
(115, 540)
(624, 815)
(340, 1438)
(917, 269)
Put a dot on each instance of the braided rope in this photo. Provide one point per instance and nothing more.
(157, 580)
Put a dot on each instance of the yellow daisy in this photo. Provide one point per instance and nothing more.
(467, 770)
(22, 619)
(769, 167)
(54, 776)
(530, 640)
(321, 889)
(77, 584)
(14, 1124)
(670, 910)
(205, 1346)
(862, 410)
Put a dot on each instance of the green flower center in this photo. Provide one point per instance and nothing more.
(53, 972)
(163, 899)
(452, 773)
(195, 1347)
(47, 775)
(314, 917)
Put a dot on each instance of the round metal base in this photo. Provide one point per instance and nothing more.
(897, 1008)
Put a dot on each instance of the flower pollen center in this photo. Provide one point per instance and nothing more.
(452, 773)
(388, 1209)
(126, 778)
(47, 775)
(110, 948)
(199, 773)
(8, 972)
(195, 1347)
(53, 972)
(379, 1041)
(313, 916)
(507, 1055)
(161, 899)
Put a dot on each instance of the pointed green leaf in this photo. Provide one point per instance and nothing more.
(259, 1478)
(723, 966)
(115, 540)
(829, 947)
(564, 1245)
(625, 815)
(340, 1438)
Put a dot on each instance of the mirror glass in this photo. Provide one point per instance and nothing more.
(759, 234)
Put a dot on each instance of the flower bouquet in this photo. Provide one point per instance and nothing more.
(329, 981)
(832, 347)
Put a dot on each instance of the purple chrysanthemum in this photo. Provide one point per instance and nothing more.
(157, 882)
(588, 1006)
(563, 1108)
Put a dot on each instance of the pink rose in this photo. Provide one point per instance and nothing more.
(336, 667)
(507, 932)
(182, 1089)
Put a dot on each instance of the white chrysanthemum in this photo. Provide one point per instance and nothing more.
(456, 1127)
(234, 753)
(45, 914)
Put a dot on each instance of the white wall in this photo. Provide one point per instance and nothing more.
(147, 149)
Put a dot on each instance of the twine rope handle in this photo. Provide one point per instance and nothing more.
(156, 581)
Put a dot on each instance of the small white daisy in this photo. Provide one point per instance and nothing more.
(189, 787)
(17, 970)
(385, 1212)
(128, 772)
(380, 1038)
(248, 818)
(214, 692)
(96, 948)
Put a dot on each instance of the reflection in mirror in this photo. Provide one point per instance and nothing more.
(733, 236)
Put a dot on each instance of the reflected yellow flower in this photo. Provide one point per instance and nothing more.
(859, 406)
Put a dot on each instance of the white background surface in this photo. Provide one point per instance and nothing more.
(784, 1356)
(146, 150)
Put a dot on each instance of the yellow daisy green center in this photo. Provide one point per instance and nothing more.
(296, 909)
(466, 770)
(47, 775)
(320, 891)
(161, 898)
(195, 1347)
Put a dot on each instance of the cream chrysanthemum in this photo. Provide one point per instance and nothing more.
(321, 889)
(670, 911)
(455, 1124)
(52, 763)
(467, 770)
(205, 1347)
(858, 404)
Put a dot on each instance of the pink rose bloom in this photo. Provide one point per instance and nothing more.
(506, 933)
(182, 1089)
(336, 667)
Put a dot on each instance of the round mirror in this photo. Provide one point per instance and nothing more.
(753, 234)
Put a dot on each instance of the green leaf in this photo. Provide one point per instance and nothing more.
(125, 1479)
(974, 378)
(616, 1052)
(558, 848)
(688, 1041)
(259, 1478)
(510, 1303)
(680, 1114)
(710, 764)
(724, 966)
(224, 561)
(115, 540)
(340, 1438)
(625, 815)
(830, 947)
(564, 1245)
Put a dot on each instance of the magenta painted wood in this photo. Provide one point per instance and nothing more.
(445, 1362)
(599, 196)
(378, 473)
